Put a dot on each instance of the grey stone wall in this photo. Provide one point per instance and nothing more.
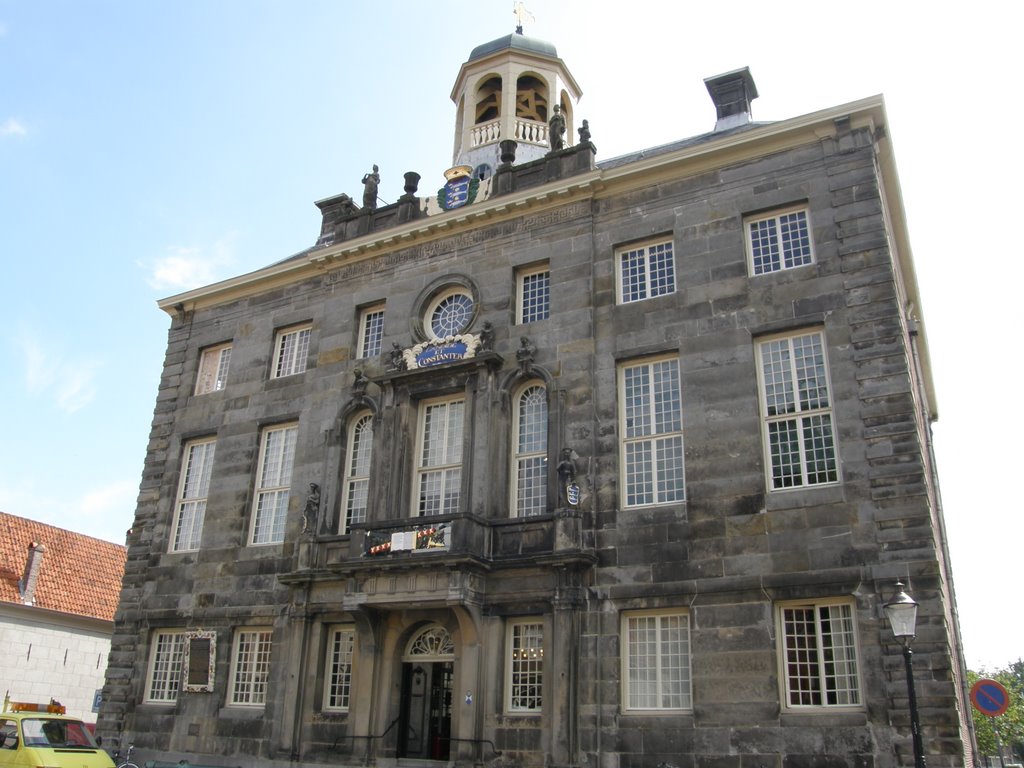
(728, 555)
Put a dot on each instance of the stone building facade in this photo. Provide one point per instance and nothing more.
(573, 463)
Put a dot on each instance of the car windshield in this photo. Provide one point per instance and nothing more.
(45, 732)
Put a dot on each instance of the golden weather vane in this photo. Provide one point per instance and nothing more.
(522, 15)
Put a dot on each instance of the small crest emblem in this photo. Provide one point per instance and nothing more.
(460, 189)
(572, 494)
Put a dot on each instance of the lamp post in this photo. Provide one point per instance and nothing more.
(901, 610)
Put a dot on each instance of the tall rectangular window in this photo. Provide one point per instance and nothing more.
(819, 654)
(779, 241)
(439, 458)
(797, 408)
(338, 683)
(533, 288)
(651, 431)
(530, 452)
(291, 351)
(193, 490)
(166, 657)
(646, 271)
(356, 483)
(213, 369)
(250, 668)
(274, 478)
(525, 667)
(371, 331)
(656, 661)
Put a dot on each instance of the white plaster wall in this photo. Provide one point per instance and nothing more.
(41, 661)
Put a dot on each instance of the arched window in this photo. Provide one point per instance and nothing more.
(531, 101)
(488, 101)
(356, 480)
(530, 451)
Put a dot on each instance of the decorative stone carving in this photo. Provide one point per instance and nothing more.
(370, 183)
(487, 337)
(311, 511)
(556, 129)
(584, 132)
(359, 383)
(525, 353)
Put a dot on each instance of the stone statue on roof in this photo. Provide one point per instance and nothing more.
(556, 129)
(370, 183)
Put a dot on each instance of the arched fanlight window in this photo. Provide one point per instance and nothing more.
(530, 451)
(356, 480)
(432, 644)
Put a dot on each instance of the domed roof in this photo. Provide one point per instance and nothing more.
(517, 42)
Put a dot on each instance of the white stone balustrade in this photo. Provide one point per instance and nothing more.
(486, 133)
(531, 132)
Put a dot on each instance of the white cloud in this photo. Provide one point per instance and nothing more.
(12, 127)
(69, 382)
(183, 268)
(104, 512)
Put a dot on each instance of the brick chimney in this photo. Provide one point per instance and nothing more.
(732, 93)
(33, 565)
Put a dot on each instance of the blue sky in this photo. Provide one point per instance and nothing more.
(150, 147)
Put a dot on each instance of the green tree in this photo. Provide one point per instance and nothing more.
(1010, 723)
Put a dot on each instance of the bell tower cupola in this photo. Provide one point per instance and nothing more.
(510, 88)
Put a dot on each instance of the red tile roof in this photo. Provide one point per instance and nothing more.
(78, 574)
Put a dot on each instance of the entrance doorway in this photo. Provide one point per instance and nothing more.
(425, 718)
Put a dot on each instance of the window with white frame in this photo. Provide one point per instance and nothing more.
(338, 683)
(525, 667)
(291, 351)
(356, 482)
(533, 289)
(779, 241)
(646, 271)
(795, 399)
(656, 661)
(213, 369)
(651, 423)
(193, 491)
(530, 451)
(450, 312)
(166, 660)
(250, 668)
(819, 654)
(274, 478)
(439, 457)
(371, 331)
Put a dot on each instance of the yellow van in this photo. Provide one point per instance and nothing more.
(42, 736)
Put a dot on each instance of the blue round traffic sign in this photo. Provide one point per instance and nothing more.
(990, 697)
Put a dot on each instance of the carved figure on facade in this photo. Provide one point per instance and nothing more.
(556, 129)
(359, 383)
(396, 357)
(487, 337)
(370, 183)
(525, 354)
(311, 511)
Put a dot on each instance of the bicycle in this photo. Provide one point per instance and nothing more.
(127, 759)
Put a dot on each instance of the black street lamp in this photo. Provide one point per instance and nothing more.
(901, 611)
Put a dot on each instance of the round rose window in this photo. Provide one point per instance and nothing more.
(450, 313)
